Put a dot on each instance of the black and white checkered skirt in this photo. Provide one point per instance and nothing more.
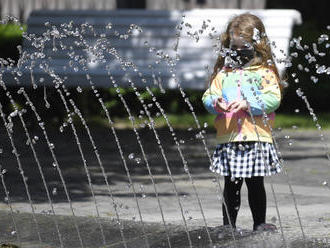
(245, 159)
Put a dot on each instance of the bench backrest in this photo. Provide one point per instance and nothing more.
(151, 50)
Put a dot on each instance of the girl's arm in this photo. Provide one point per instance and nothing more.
(212, 96)
(268, 97)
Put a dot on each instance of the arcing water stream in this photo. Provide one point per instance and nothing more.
(100, 50)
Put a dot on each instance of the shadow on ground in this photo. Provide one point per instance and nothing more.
(158, 156)
(71, 162)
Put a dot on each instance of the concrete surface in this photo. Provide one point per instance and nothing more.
(305, 162)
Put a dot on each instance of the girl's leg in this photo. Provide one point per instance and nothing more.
(232, 197)
(257, 199)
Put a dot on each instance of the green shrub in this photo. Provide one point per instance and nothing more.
(10, 38)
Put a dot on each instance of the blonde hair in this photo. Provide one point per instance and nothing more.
(245, 26)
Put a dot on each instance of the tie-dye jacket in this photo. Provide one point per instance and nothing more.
(256, 84)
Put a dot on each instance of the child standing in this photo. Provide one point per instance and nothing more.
(244, 93)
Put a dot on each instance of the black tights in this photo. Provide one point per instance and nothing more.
(256, 196)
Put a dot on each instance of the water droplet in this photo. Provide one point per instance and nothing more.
(13, 232)
(241, 147)
(284, 84)
(131, 156)
(199, 136)
(47, 105)
(131, 118)
(299, 92)
(14, 113)
(295, 54)
(54, 191)
(325, 183)
(109, 25)
(321, 69)
(296, 110)
(314, 79)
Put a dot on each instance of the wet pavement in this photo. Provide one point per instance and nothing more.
(305, 162)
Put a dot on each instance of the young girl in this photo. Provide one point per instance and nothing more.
(244, 93)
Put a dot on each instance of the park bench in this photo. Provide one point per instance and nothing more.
(151, 51)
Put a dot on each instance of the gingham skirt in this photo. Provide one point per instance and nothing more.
(245, 159)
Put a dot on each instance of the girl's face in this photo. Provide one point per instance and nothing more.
(243, 50)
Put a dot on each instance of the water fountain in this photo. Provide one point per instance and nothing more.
(80, 186)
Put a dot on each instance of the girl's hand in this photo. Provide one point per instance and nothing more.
(221, 105)
(237, 105)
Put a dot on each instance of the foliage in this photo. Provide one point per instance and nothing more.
(10, 38)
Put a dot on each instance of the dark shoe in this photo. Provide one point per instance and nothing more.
(265, 227)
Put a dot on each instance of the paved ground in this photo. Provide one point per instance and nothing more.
(306, 164)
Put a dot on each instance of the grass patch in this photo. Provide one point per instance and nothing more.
(185, 121)
(302, 121)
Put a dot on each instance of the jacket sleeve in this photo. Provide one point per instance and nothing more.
(212, 94)
(268, 97)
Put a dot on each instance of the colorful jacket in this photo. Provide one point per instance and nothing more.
(259, 86)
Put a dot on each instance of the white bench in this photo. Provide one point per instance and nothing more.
(159, 32)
